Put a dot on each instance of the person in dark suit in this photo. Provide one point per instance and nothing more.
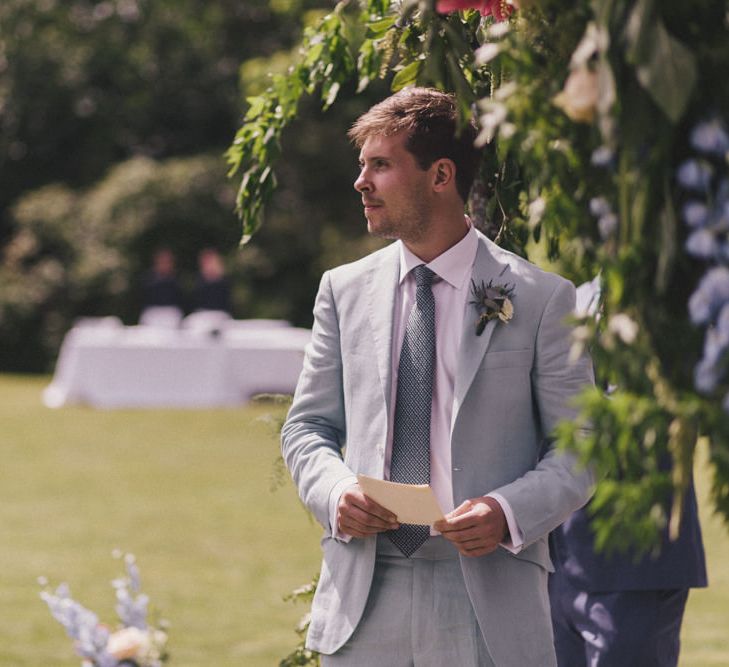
(162, 298)
(212, 289)
(159, 285)
(616, 611)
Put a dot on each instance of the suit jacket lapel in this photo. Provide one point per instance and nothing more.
(382, 283)
(472, 348)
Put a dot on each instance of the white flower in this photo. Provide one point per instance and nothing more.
(486, 53)
(623, 327)
(493, 117)
(507, 311)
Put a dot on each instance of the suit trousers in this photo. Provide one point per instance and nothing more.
(418, 613)
(615, 628)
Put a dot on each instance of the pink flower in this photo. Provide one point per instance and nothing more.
(499, 9)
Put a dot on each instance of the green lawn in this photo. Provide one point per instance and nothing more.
(188, 492)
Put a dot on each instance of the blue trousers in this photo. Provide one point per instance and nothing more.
(418, 614)
(615, 629)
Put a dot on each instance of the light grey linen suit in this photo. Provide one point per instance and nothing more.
(513, 384)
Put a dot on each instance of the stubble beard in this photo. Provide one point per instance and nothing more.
(410, 228)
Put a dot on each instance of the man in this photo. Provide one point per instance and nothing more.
(616, 610)
(402, 369)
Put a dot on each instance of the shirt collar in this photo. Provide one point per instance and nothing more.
(454, 265)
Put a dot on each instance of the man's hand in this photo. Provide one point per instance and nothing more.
(476, 527)
(360, 516)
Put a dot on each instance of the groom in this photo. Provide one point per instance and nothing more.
(440, 359)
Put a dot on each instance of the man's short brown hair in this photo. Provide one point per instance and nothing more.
(430, 118)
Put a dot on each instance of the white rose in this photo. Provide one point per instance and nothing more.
(578, 98)
(128, 643)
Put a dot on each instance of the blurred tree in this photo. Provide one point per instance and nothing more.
(87, 83)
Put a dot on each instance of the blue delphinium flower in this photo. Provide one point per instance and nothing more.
(695, 175)
(711, 295)
(131, 604)
(602, 157)
(695, 213)
(707, 215)
(82, 625)
(710, 137)
(607, 223)
(705, 377)
(703, 244)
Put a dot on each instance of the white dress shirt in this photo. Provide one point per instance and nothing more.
(451, 291)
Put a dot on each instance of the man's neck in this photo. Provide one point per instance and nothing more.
(441, 237)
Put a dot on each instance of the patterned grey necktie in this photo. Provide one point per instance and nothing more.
(410, 463)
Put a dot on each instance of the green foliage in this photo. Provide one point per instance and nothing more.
(301, 655)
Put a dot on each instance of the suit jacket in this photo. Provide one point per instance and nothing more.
(679, 564)
(513, 384)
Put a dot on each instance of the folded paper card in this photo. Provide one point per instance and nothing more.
(412, 503)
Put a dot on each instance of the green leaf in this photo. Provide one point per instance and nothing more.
(667, 248)
(257, 105)
(407, 75)
(377, 29)
(663, 65)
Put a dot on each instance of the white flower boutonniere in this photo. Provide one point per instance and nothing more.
(491, 302)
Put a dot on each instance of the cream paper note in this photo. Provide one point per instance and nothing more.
(412, 503)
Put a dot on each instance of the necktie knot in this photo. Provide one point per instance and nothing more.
(423, 276)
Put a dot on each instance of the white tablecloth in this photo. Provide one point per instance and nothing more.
(131, 367)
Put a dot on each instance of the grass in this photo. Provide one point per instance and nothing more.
(189, 492)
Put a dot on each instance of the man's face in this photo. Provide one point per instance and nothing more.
(395, 192)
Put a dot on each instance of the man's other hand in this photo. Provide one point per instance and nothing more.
(476, 527)
(360, 516)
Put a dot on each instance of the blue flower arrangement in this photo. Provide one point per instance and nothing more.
(135, 643)
(705, 178)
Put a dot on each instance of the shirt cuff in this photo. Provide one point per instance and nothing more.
(515, 543)
(334, 496)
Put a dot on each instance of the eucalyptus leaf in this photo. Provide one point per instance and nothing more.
(407, 75)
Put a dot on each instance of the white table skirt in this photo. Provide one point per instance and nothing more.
(136, 367)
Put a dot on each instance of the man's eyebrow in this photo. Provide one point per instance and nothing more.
(373, 158)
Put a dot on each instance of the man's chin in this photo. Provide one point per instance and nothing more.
(380, 230)
(382, 233)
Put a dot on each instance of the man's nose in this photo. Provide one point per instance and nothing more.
(361, 184)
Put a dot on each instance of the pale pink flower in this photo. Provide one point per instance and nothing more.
(128, 643)
(579, 97)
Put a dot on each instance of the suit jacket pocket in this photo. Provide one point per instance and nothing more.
(508, 358)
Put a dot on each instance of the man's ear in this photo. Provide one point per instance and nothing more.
(444, 174)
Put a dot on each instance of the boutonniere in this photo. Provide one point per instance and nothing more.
(491, 302)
